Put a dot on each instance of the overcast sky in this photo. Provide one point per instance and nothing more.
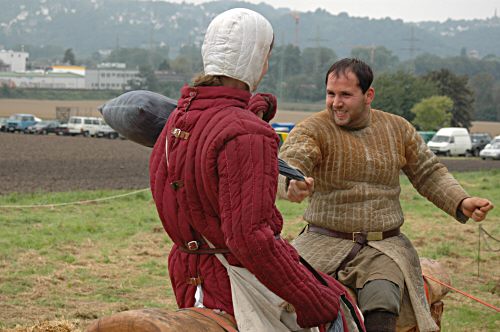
(407, 10)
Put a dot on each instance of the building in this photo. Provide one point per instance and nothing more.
(16, 61)
(110, 76)
(42, 80)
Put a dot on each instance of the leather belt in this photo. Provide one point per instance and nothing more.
(193, 247)
(360, 240)
(355, 236)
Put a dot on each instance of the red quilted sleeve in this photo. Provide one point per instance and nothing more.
(248, 173)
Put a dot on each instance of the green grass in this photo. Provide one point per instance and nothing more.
(79, 262)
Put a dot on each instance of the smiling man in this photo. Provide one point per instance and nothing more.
(352, 156)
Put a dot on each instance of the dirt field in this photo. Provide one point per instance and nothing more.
(62, 163)
(31, 163)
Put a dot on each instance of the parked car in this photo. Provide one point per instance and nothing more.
(427, 135)
(491, 150)
(479, 141)
(62, 129)
(451, 141)
(84, 125)
(3, 124)
(43, 127)
(106, 131)
(284, 127)
(19, 122)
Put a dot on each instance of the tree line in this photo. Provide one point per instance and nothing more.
(429, 91)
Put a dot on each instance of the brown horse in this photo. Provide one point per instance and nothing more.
(208, 320)
(158, 320)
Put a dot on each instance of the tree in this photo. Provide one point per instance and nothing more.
(455, 87)
(150, 80)
(69, 57)
(486, 108)
(426, 63)
(398, 92)
(496, 98)
(164, 65)
(147, 80)
(188, 62)
(432, 113)
(315, 64)
(284, 63)
(5, 91)
(301, 88)
(379, 58)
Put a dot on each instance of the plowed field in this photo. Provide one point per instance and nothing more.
(31, 163)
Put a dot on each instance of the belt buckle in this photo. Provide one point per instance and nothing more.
(192, 245)
(176, 132)
(354, 236)
(194, 281)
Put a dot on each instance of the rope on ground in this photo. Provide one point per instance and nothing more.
(483, 234)
(463, 293)
(71, 203)
(486, 237)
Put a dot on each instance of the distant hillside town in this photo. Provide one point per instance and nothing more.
(105, 76)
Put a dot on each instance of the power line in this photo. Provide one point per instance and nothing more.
(412, 41)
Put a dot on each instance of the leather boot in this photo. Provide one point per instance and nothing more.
(380, 321)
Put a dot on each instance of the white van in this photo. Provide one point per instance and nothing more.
(84, 125)
(451, 141)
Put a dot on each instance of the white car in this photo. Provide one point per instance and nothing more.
(451, 141)
(84, 125)
(106, 131)
(491, 150)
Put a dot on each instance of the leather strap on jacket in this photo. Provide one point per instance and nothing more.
(193, 247)
(360, 239)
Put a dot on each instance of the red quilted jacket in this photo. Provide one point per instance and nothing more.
(221, 182)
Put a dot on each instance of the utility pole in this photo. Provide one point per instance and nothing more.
(296, 17)
(151, 47)
(282, 68)
(317, 42)
(412, 40)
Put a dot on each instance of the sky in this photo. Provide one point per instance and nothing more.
(407, 10)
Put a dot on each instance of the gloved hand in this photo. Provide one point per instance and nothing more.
(324, 311)
(263, 105)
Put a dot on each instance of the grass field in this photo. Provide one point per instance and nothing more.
(80, 262)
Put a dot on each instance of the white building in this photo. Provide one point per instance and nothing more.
(43, 80)
(15, 60)
(110, 77)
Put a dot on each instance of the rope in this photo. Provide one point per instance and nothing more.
(485, 236)
(71, 203)
(461, 292)
(482, 232)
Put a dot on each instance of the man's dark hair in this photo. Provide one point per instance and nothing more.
(360, 69)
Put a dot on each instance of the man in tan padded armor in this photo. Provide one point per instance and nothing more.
(352, 156)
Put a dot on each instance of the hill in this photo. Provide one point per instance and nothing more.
(90, 25)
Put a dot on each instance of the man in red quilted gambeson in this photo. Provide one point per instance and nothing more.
(214, 173)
